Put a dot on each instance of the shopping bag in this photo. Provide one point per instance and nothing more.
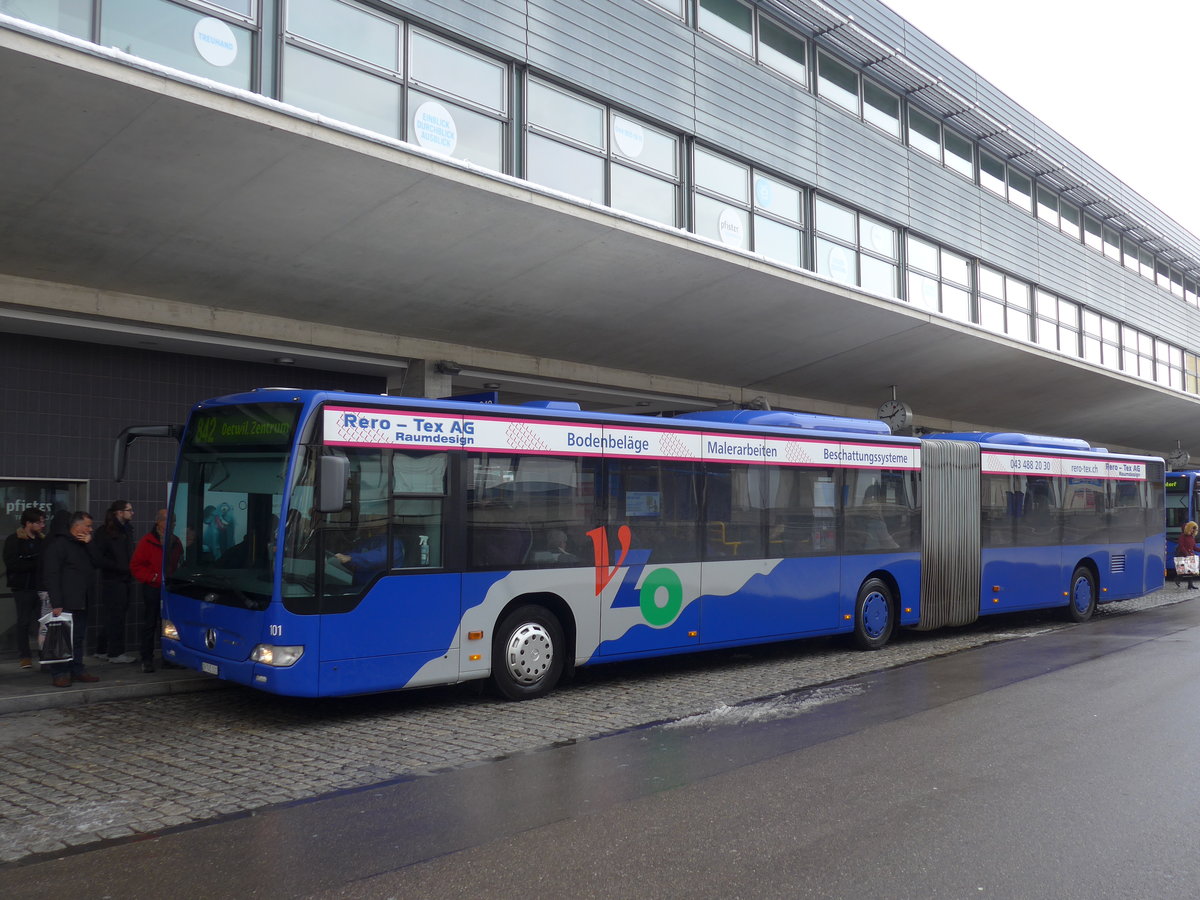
(1187, 565)
(54, 639)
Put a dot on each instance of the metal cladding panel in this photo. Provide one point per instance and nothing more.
(752, 112)
(1008, 235)
(625, 51)
(498, 24)
(861, 165)
(944, 206)
(950, 539)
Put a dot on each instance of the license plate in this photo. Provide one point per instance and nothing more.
(210, 668)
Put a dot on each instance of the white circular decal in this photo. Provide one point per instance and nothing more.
(630, 137)
(216, 41)
(730, 227)
(841, 265)
(434, 127)
(762, 192)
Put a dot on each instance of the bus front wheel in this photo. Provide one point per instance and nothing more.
(1082, 598)
(527, 653)
(874, 615)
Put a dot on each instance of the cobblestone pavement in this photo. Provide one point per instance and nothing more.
(135, 767)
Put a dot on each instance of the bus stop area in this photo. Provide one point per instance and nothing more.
(26, 690)
(153, 764)
(29, 690)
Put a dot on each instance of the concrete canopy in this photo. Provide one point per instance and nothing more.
(130, 181)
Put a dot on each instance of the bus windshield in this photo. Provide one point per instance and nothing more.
(227, 503)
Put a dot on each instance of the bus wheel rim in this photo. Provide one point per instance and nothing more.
(875, 615)
(1083, 594)
(529, 653)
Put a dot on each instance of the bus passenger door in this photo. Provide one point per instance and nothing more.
(389, 614)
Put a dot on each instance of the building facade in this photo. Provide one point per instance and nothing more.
(645, 205)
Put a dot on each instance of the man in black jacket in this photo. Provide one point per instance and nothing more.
(22, 555)
(114, 548)
(69, 565)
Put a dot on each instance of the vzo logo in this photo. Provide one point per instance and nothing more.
(660, 597)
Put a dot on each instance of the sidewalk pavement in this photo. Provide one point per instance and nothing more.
(24, 690)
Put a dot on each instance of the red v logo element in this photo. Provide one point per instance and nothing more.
(599, 538)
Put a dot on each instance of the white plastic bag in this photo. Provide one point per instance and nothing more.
(55, 643)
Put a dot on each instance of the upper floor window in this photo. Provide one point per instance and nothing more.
(728, 21)
(355, 65)
(580, 147)
(837, 81)
(182, 38)
(782, 50)
(881, 108)
(347, 29)
(1112, 243)
(939, 279)
(1191, 373)
(744, 208)
(1057, 324)
(924, 133)
(992, 174)
(1047, 205)
(1020, 189)
(1068, 218)
(1004, 304)
(856, 249)
(1102, 340)
(959, 153)
(73, 17)
(675, 7)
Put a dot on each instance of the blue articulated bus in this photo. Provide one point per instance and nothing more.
(1181, 508)
(342, 544)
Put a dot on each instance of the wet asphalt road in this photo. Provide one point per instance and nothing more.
(1056, 765)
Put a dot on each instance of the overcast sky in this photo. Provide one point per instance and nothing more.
(1117, 80)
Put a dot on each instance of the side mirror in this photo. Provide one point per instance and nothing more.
(334, 474)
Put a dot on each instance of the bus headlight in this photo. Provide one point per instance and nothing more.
(274, 655)
(169, 630)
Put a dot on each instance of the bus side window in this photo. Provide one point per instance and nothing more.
(419, 494)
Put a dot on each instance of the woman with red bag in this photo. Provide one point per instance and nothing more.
(1186, 548)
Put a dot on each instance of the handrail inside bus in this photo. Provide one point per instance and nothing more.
(131, 434)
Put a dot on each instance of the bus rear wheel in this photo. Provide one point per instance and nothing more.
(874, 615)
(527, 653)
(1082, 597)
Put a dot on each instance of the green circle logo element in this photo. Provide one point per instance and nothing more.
(661, 580)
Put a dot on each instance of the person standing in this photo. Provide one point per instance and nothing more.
(147, 568)
(69, 565)
(1187, 547)
(22, 555)
(114, 544)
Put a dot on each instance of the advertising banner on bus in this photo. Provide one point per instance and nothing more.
(995, 463)
(388, 428)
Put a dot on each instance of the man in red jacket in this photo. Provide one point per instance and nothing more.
(147, 568)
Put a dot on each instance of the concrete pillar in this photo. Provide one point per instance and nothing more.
(421, 379)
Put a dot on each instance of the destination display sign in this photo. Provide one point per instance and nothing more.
(430, 431)
(260, 425)
(1061, 466)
